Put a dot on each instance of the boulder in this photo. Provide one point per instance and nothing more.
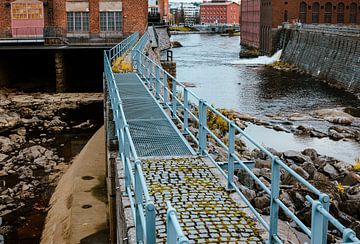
(329, 170)
(312, 153)
(262, 202)
(295, 156)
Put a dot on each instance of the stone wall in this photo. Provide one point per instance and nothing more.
(333, 57)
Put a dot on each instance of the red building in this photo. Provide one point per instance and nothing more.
(219, 13)
(275, 12)
(250, 23)
(85, 20)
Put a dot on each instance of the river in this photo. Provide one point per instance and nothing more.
(211, 62)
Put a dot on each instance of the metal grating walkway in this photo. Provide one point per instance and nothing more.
(152, 131)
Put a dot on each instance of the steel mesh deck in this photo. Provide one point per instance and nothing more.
(152, 132)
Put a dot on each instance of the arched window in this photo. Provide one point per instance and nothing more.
(302, 15)
(286, 16)
(328, 12)
(353, 13)
(340, 13)
(315, 12)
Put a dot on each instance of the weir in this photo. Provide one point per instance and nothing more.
(164, 183)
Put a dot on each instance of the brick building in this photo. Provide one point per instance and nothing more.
(275, 12)
(217, 12)
(250, 23)
(87, 20)
(158, 11)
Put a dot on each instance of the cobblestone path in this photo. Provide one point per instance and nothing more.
(206, 211)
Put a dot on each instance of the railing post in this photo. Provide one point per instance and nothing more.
(170, 230)
(325, 203)
(151, 78)
(138, 202)
(150, 223)
(186, 112)
(347, 234)
(157, 82)
(202, 127)
(274, 207)
(174, 102)
(316, 224)
(166, 93)
(230, 156)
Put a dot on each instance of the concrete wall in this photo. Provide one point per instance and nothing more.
(332, 57)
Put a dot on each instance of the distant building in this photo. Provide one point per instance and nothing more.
(185, 13)
(158, 11)
(273, 13)
(69, 21)
(219, 12)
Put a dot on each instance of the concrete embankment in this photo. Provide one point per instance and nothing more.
(333, 57)
(78, 206)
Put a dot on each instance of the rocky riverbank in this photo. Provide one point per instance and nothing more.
(340, 180)
(39, 134)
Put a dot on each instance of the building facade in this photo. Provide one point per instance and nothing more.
(219, 12)
(250, 23)
(69, 20)
(158, 11)
(273, 13)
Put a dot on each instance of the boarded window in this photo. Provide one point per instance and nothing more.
(27, 10)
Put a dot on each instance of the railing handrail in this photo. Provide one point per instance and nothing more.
(135, 183)
(173, 228)
(156, 77)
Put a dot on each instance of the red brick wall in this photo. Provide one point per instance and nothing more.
(94, 16)
(135, 14)
(293, 7)
(250, 23)
(5, 18)
(59, 10)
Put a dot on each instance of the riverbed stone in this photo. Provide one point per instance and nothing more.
(296, 156)
(330, 171)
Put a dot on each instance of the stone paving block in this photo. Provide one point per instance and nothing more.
(205, 210)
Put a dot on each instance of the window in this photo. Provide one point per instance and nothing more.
(111, 21)
(77, 21)
(302, 15)
(315, 12)
(353, 13)
(340, 13)
(285, 16)
(328, 12)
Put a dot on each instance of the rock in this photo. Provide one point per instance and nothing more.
(84, 125)
(33, 152)
(330, 171)
(351, 179)
(318, 134)
(6, 145)
(312, 153)
(304, 129)
(21, 131)
(296, 156)
(176, 44)
(3, 157)
(300, 171)
(15, 138)
(286, 199)
(263, 163)
(309, 168)
(249, 194)
(333, 134)
(262, 202)
(336, 116)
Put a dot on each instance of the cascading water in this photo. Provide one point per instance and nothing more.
(261, 60)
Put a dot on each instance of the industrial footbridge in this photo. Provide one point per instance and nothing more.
(164, 185)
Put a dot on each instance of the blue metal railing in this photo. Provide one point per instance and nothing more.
(142, 207)
(156, 78)
(173, 229)
(135, 185)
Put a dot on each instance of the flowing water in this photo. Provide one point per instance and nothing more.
(212, 64)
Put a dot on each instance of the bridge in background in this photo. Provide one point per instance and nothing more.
(165, 186)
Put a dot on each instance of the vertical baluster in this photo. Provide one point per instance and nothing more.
(174, 102)
(150, 223)
(170, 230)
(274, 207)
(151, 78)
(316, 224)
(202, 126)
(231, 151)
(126, 153)
(325, 202)
(157, 82)
(186, 113)
(138, 202)
(166, 93)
